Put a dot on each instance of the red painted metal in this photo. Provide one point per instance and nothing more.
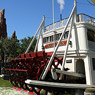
(30, 66)
(51, 45)
(24, 91)
(33, 54)
(14, 87)
(41, 54)
(15, 70)
(49, 53)
(19, 89)
(22, 55)
(27, 55)
(31, 93)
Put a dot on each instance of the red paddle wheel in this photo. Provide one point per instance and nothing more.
(31, 66)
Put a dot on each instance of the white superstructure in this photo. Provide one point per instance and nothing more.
(73, 39)
(81, 51)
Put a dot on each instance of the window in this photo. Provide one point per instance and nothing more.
(57, 36)
(69, 61)
(44, 40)
(91, 35)
(51, 38)
(47, 39)
(66, 35)
(93, 63)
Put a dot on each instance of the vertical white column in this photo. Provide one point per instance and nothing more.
(88, 70)
(53, 11)
(75, 12)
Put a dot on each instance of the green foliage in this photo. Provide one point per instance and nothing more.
(25, 42)
(13, 47)
(1, 48)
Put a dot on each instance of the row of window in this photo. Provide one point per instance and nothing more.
(55, 37)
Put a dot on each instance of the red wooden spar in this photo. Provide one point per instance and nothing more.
(30, 66)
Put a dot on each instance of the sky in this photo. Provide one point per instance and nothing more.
(25, 16)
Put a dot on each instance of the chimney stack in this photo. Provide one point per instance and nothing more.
(60, 16)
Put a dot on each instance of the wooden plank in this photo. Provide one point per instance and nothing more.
(58, 85)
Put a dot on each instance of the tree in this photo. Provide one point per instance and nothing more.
(1, 49)
(10, 47)
(25, 42)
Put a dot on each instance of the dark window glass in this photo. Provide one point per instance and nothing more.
(91, 35)
(93, 63)
(47, 39)
(51, 38)
(66, 35)
(69, 61)
(44, 40)
(57, 37)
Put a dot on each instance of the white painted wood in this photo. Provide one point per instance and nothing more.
(58, 85)
(88, 70)
(70, 73)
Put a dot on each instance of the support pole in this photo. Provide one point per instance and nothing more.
(52, 57)
(36, 47)
(53, 12)
(35, 35)
(75, 13)
(54, 25)
(67, 45)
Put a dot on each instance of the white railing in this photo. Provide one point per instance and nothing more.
(57, 24)
(86, 18)
(80, 18)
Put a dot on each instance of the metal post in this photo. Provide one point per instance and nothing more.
(53, 11)
(52, 57)
(67, 45)
(43, 26)
(35, 36)
(75, 2)
(36, 47)
(75, 13)
(54, 25)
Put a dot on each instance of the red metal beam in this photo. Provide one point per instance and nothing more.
(16, 70)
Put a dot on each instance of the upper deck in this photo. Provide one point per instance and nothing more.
(84, 28)
(80, 18)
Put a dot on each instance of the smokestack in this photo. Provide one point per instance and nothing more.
(60, 16)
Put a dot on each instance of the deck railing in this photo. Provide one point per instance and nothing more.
(80, 18)
(56, 24)
(86, 18)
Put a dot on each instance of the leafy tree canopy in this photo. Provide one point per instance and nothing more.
(25, 42)
(10, 47)
(13, 47)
